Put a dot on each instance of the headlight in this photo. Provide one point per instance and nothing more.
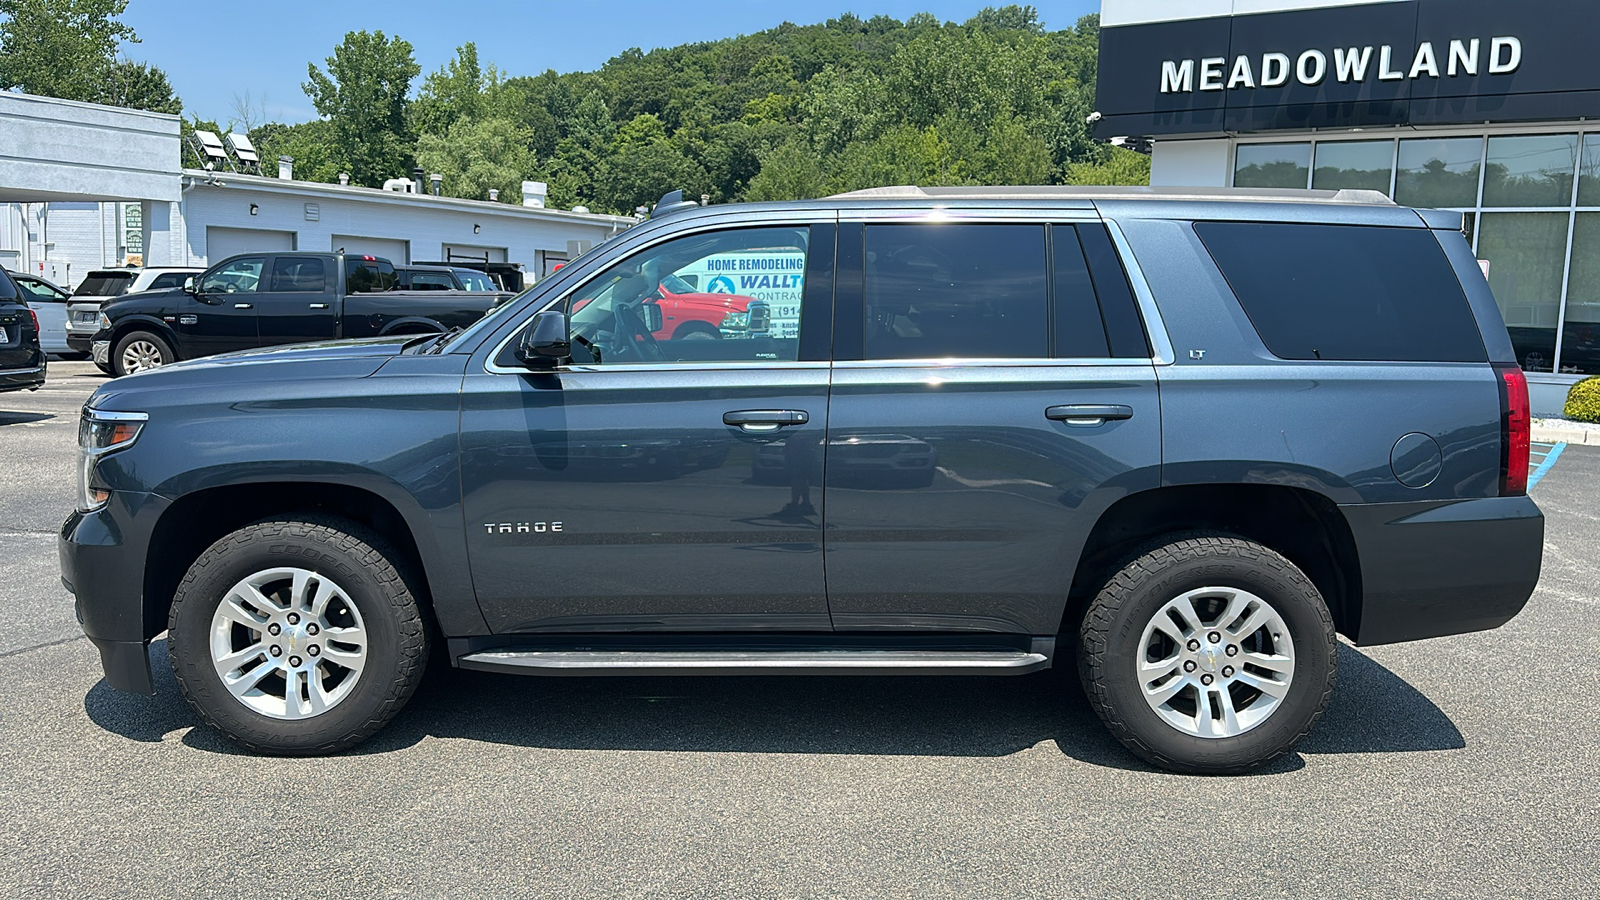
(105, 321)
(101, 433)
(736, 321)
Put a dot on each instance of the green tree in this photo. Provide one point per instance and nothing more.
(1121, 167)
(461, 89)
(363, 95)
(475, 156)
(139, 86)
(68, 49)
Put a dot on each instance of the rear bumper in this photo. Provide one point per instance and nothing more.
(80, 343)
(103, 563)
(1435, 569)
(24, 379)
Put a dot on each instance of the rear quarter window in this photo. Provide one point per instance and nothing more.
(1346, 292)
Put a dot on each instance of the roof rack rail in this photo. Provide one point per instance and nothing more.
(1074, 192)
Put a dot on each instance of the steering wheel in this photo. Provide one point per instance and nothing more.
(632, 336)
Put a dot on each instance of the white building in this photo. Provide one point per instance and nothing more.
(1483, 106)
(84, 186)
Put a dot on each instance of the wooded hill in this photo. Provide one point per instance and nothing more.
(791, 112)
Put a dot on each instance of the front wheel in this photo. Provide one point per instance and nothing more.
(297, 637)
(1208, 655)
(139, 351)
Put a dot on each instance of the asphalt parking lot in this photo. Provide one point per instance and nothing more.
(1459, 766)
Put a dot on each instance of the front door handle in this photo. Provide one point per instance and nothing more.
(243, 305)
(759, 421)
(1088, 413)
(319, 306)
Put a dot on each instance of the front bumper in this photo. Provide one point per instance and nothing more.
(1434, 569)
(100, 352)
(28, 379)
(103, 557)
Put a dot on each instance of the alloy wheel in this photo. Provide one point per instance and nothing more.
(288, 643)
(1215, 662)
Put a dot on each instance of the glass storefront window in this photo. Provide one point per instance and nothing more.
(1532, 170)
(1358, 165)
(1580, 334)
(1272, 165)
(1525, 253)
(1589, 173)
(1439, 172)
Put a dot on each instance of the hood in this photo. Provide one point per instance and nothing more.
(373, 348)
(112, 304)
(248, 369)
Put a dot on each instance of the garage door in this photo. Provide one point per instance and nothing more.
(395, 251)
(222, 243)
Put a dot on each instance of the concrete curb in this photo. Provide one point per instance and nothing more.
(1567, 436)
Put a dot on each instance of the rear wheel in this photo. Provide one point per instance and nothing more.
(1209, 654)
(297, 637)
(139, 351)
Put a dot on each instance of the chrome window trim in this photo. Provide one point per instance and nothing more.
(778, 219)
(1160, 343)
(989, 362)
(712, 366)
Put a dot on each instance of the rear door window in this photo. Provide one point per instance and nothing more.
(956, 290)
(1346, 292)
(299, 275)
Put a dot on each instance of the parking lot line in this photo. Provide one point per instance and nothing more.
(1543, 457)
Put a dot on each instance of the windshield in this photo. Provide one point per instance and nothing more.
(104, 284)
(472, 280)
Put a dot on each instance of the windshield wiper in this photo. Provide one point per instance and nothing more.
(439, 345)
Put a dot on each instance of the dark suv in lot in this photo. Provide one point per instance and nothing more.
(1187, 439)
(22, 360)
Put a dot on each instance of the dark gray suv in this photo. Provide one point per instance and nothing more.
(957, 431)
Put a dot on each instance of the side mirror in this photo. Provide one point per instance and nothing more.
(652, 316)
(189, 285)
(546, 342)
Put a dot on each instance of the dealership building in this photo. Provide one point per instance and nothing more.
(84, 186)
(1484, 106)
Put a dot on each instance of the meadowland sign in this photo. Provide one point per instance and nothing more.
(1304, 66)
(1349, 64)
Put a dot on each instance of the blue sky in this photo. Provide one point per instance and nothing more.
(213, 53)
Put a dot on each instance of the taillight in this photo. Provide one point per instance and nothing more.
(35, 317)
(1516, 430)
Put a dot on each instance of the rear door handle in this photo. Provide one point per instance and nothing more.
(1088, 413)
(764, 420)
(243, 305)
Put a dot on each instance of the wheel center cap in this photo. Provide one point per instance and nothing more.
(1207, 658)
(295, 638)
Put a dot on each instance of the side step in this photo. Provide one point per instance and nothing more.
(758, 662)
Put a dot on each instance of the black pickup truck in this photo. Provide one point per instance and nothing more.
(263, 299)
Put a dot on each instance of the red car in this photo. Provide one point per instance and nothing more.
(687, 313)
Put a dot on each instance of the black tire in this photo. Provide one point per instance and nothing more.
(1111, 645)
(163, 350)
(365, 568)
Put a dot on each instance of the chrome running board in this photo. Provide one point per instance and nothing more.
(757, 662)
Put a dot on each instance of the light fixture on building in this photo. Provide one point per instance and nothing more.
(494, 195)
(254, 209)
(476, 228)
